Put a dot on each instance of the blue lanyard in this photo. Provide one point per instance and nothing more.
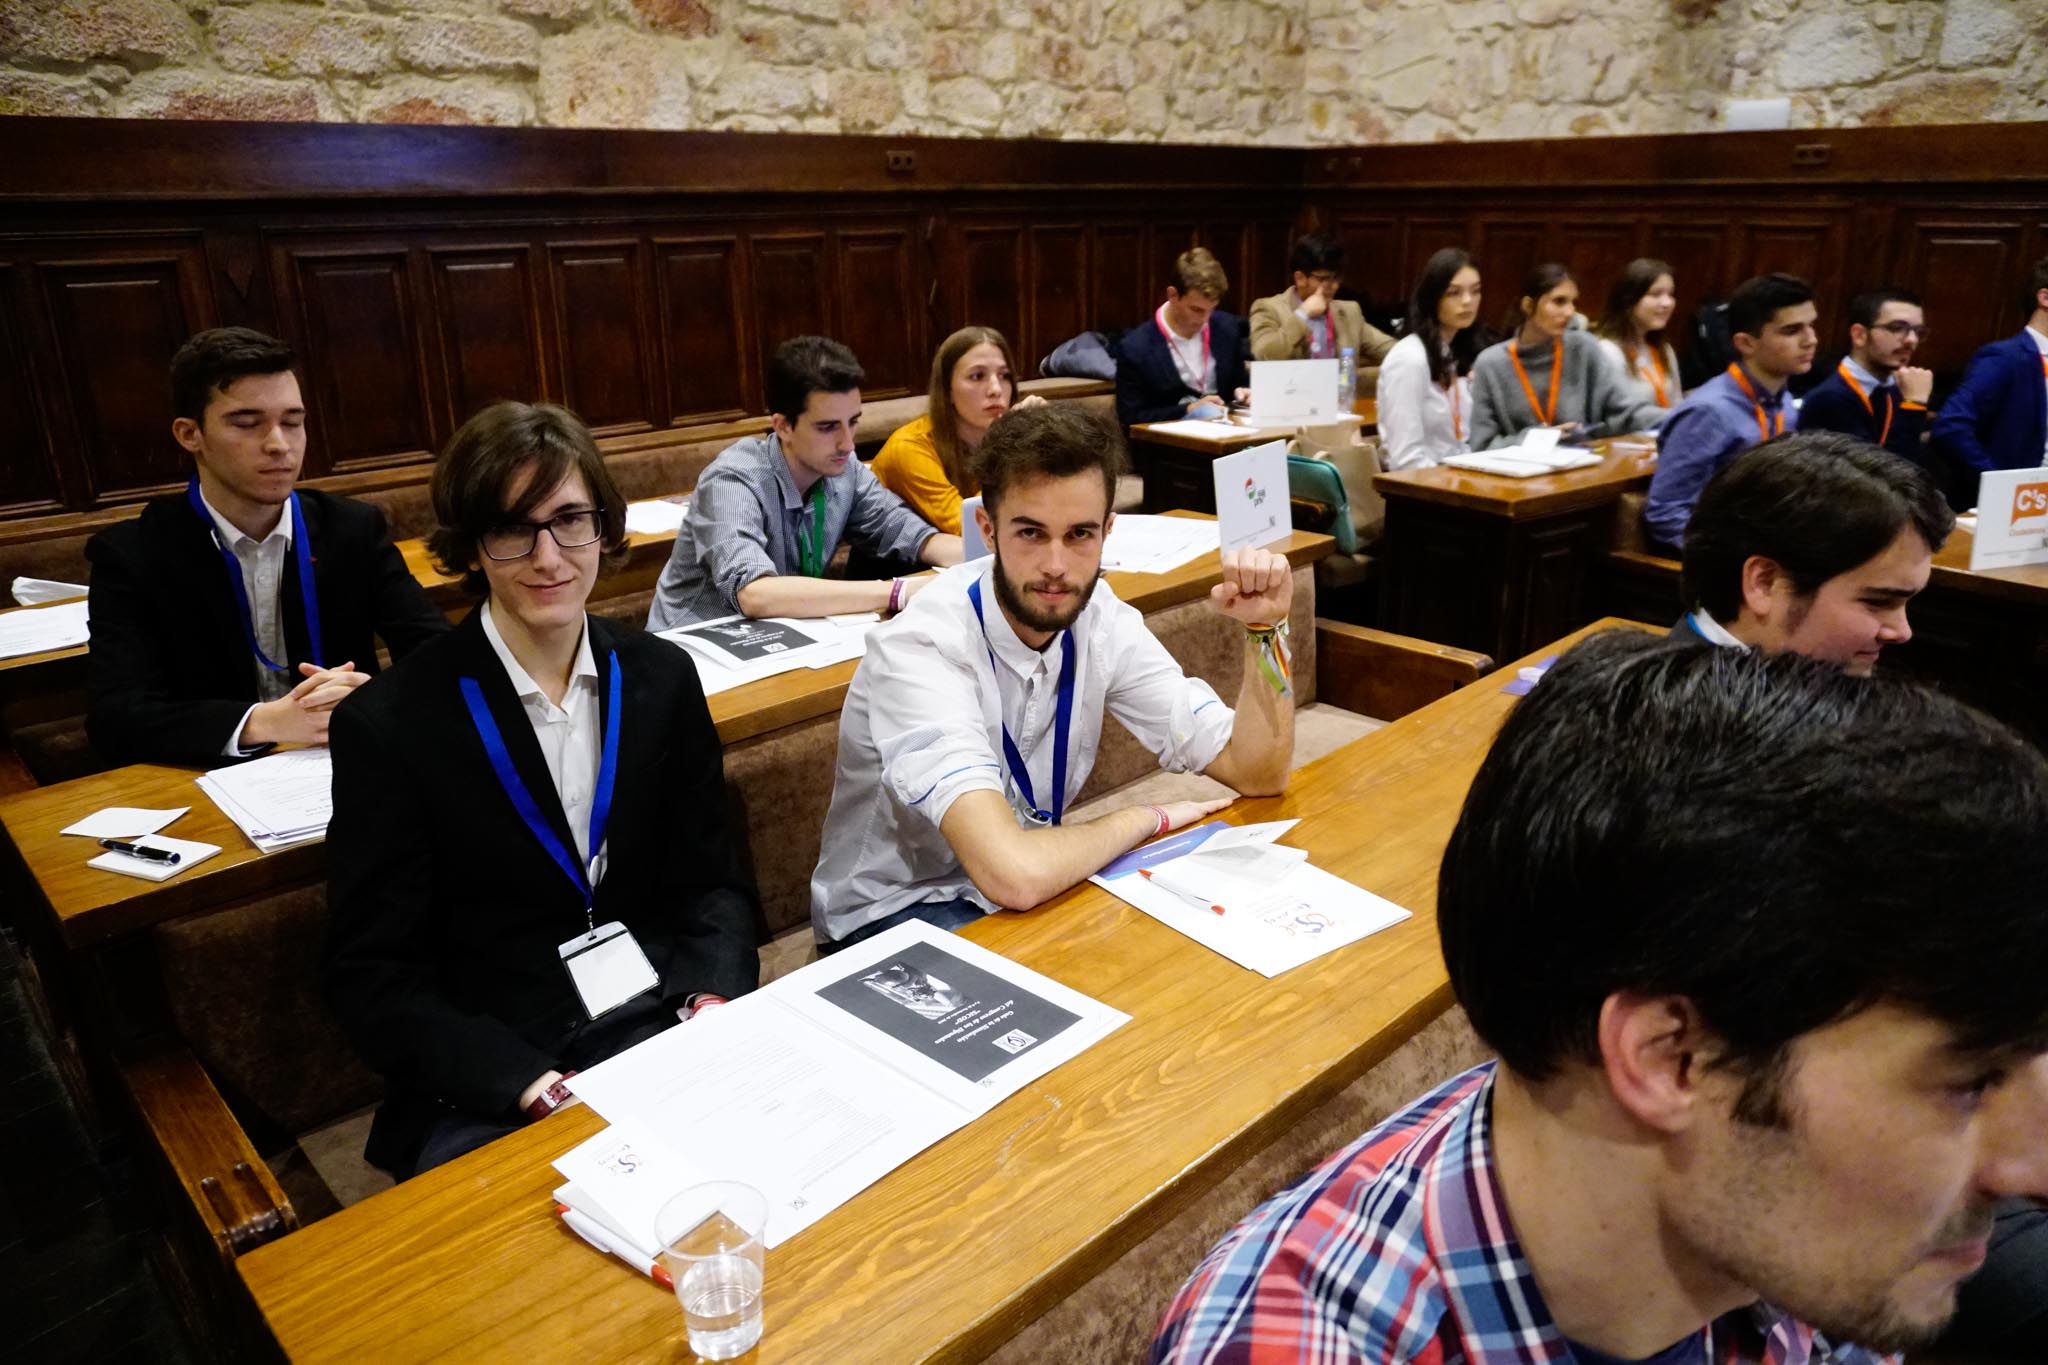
(522, 799)
(1062, 724)
(302, 550)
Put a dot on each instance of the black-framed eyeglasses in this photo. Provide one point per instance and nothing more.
(1899, 328)
(569, 531)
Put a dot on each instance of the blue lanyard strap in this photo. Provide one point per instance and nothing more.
(522, 800)
(302, 550)
(1062, 724)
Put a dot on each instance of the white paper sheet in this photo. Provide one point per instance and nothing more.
(832, 640)
(33, 592)
(190, 854)
(656, 516)
(1216, 431)
(123, 822)
(1138, 543)
(279, 800)
(31, 630)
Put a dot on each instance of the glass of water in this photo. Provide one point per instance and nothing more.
(711, 1243)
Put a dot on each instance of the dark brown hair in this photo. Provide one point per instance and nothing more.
(1054, 441)
(216, 358)
(1618, 324)
(475, 474)
(945, 430)
(1536, 284)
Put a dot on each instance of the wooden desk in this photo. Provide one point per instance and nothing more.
(50, 670)
(1175, 466)
(91, 906)
(1496, 564)
(955, 1251)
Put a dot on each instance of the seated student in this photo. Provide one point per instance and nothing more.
(1632, 336)
(539, 774)
(234, 615)
(1876, 393)
(1813, 542)
(1549, 373)
(1191, 351)
(1309, 321)
(1998, 416)
(770, 511)
(930, 819)
(925, 461)
(1425, 399)
(1770, 319)
(1759, 946)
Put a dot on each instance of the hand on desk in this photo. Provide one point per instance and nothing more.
(1181, 814)
(1257, 587)
(1028, 401)
(300, 716)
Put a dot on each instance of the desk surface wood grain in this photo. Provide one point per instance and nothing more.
(2026, 584)
(958, 1249)
(1547, 495)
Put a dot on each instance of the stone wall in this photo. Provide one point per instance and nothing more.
(1280, 72)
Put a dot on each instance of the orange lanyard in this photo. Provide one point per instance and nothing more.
(1656, 376)
(1547, 418)
(1891, 405)
(1457, 417)
(1763, 432)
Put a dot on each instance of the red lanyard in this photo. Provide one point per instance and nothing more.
(1891, 404)
(1200, 382)
(1656, 376)
(1548, 418)
(1763, 432)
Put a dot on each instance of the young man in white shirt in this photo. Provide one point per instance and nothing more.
(975, 715)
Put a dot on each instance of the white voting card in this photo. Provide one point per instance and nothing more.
(1251, 497)
(123, 822)
(1293, 391)
(190, 854)
(2012, 519)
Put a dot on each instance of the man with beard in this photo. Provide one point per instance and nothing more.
(1759, 945)
(1877, 393)
(975, 715)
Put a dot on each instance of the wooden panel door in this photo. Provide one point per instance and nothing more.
(705, 339)
(116, 318)
(1971, 276)
(880, 315)
(599, 290)
(487, 321)
(1121, 292)
(989, 285)
(790, 278)
(28, 468)
(355, 318)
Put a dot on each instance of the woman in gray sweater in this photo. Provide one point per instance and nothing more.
(1550, 373)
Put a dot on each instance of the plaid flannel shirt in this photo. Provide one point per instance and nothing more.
(1398, 1249)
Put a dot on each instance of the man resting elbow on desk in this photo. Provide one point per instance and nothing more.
(975, 716)
(531, 867)
(769, 513)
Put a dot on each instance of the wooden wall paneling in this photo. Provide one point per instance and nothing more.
(1165, 244)
(1697, 252)
(118, 312)
(879, 293)
(243, 294)
(1230, 243)
(1423, 235)
(599, 288)
(1372, 263)
(1507, 250)
(352, 310)
(487, 324)
(29, 480)
(1809, 246)
(707, 339)
(791, 280)
(1267, 269)
(1057, 305)
(990, 280)
(1970, 274)
(1121, 291)
(1595, 251)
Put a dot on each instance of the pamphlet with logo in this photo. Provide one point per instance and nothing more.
(734, 650)
(1251, 497)
(1293, 391)
(1235, 890)
(2012, 519)
(823, 1082)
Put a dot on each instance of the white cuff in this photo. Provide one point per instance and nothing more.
(233, 748)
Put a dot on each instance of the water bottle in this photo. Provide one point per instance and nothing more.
(1347, 378)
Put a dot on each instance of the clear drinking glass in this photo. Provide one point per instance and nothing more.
(711, 1243)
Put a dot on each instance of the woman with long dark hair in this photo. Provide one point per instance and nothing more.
(1549, 373)
(1425, 399)
(926, 461)
(1632, 334)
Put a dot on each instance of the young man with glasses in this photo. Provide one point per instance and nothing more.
(1876, 393)
(1309, 321)
(232, 615)
(531, 864)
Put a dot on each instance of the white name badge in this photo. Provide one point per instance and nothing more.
(608, 967)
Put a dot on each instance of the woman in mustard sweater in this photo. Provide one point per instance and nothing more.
(926, 461)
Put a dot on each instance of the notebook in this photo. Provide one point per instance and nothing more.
(190, 854)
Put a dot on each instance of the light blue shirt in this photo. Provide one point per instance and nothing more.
(1716, 422)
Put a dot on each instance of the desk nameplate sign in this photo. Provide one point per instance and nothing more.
(2012, 519)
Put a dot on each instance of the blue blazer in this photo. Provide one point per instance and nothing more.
(1148, 385)
(1998, 417)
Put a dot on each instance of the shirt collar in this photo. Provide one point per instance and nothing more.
(2040, 338)
(232, 535)
(522, 681)
(1713, 632)
(792, 501)
(1019, 657)
(1870, 382)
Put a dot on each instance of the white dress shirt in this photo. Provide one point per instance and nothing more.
(923, 724)
(1420, 424)
(262, 564)
(2041, 343)
(571, 735)
(1196, 370)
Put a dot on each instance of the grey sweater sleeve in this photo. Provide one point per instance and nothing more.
(1494, 419)
(1610, 408)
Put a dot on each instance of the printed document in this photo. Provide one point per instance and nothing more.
(1145, 544)
(31, 630)
(656, 516)
(735, 650)
(279, 800)
(820, 1084)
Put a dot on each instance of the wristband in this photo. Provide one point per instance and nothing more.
(1271, 643)
(550, 1099)
(697, 1004)
(895, 595)
(1165, 821)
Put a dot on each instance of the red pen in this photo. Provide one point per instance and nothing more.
(586, 1228)
(1195, 901)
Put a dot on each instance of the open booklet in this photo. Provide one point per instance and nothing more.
(820, 1084)
(1231, 888)
(733, 650)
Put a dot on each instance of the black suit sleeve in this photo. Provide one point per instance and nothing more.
(1232, 372)
(1138, 398)
(400, 611)
(132, 713)
(382, 946)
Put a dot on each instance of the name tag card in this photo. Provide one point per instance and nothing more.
(2012, 519)
(1251, 497)
(609, 968)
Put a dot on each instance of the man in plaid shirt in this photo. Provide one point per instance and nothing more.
(1760, 947)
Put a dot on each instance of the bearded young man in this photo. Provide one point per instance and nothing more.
(975, 715)
(1759, 944)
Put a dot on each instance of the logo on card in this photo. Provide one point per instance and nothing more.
(1254, 494)
(2029, 500)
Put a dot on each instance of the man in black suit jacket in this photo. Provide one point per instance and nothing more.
(449, 911)
(199, 606)
(1189, 352)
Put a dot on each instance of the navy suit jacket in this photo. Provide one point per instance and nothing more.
(1998, 417)
(1148, 384)
(1832, 405)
